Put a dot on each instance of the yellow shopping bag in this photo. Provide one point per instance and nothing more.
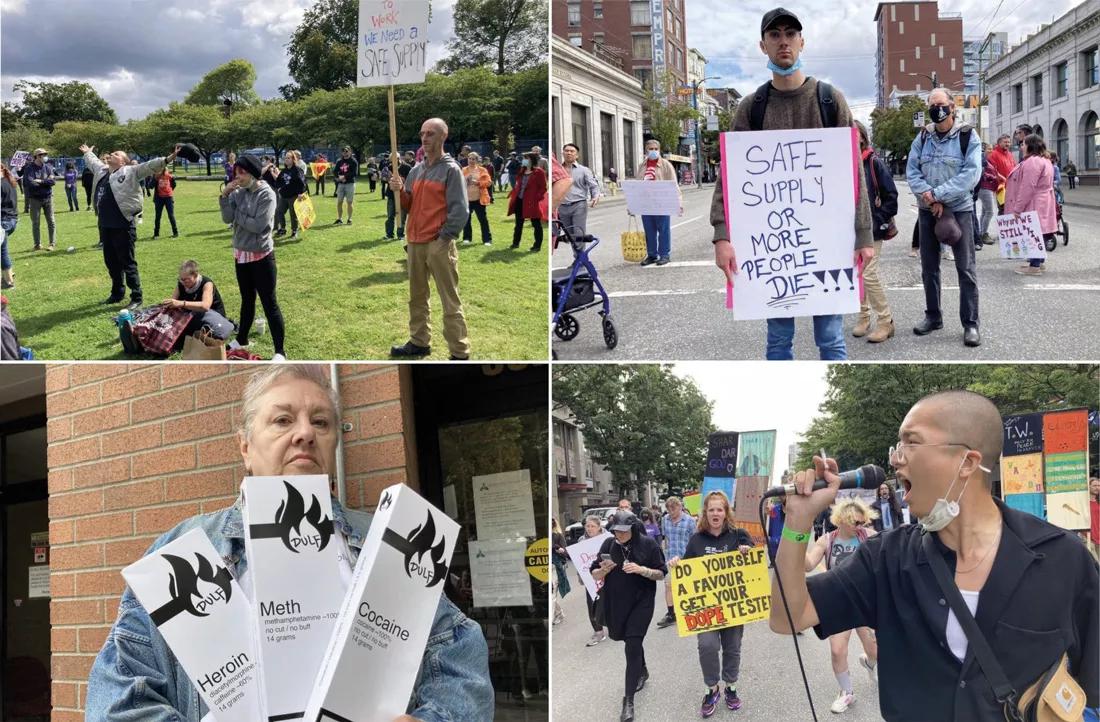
(303, 207)
(633, 243)
(1001, 196)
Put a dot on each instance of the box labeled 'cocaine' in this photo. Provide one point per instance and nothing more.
(206, 620)
(294, 559)
(376, 650)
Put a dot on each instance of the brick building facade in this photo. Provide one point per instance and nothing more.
(916, 42)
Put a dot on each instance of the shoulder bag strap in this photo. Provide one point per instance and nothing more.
(1002, 688)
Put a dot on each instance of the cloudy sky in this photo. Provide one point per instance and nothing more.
(142, 54)
(840, 38)
(761, 396)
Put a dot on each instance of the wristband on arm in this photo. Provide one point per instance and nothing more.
(796, 536)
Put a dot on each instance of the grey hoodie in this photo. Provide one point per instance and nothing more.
(125, 182)
(252, 213)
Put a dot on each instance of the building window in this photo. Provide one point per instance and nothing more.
(607, 143)
(1090, 71)
(644, 76)
(575, 40)
(579, 115)
(901, 65)
(916, 51)
(1018, 98)
(598, 38)
(1036, 90)
(1000, 105)
(597, 11)
(639, 13)
(574, 14)
(1091, 130)
(628, 150)
(893, 13)
(642, 47)
(916, 16)
(1061, 80)
(555, 119)
(1061, 140)
(941, 52)
(901, 28)
(933, 43)
(952, 65)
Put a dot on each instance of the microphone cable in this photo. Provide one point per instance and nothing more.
(787, 609)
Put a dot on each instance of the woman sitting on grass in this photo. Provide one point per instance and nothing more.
(199, 295)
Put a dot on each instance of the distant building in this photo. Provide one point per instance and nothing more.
(726, 98)
(1051, 81)
(916, 45)
(580, 483)
(977, 58)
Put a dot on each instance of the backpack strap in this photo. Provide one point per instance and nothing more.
(826, 104)
(759, 106)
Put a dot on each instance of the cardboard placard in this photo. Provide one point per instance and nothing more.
(582, 554)
(790, 199)
(1020, 236)
(652, 198)
(393, 42)
(720, 590)
(750, 489)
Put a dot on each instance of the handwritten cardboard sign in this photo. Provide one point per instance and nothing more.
(790, 198)
(393, 42)
(651, 198)
(582, 554)
(1020, 238)
(1023, 434)
(18, 160)
(720, 590)
(722, 454)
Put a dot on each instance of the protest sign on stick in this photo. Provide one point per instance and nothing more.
(1020, 236)
(790, 201)
(720, 590)
(582, 554)
(651, 198)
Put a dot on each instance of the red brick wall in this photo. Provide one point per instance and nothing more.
(136, 448)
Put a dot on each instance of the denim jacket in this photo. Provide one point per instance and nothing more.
(938, 165)
(136, 676)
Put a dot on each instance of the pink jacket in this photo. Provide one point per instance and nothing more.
(1030, 187)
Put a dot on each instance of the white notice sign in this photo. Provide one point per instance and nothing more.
(38, 582)
(498, 573)
(393, 42)
(502, 505)
(652, 198)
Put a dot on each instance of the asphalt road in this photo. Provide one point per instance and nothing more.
(677, 312)
(587, 682)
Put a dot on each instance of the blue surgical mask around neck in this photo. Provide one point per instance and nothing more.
(785, 71)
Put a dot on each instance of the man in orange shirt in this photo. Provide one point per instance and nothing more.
(1003, 162)
(434, 198)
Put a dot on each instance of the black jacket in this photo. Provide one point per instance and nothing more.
(887, 195)
(703, 542)
(290, 183)
(9, 200)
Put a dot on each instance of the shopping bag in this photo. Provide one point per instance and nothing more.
(633, 243)
(303, 207)
(202, 347)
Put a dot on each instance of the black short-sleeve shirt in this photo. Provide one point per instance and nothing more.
(1041, 599)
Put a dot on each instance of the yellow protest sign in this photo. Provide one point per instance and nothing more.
(303, 208)
(537, 559)
(720, 590)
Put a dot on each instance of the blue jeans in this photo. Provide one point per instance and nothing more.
(658, 235)
(828, 335)
(9, 228)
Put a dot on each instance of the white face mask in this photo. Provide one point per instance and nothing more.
(246, 182)
(944, 511)
(653, 154)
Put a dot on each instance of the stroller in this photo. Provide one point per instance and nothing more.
(577, 288)
(1063, 226)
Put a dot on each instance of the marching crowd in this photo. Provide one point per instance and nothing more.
(432, 197)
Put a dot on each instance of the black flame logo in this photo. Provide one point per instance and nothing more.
(386, 501)
(183, 587)
(415, 546)
(288, 519)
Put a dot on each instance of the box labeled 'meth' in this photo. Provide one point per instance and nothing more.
(375, 652)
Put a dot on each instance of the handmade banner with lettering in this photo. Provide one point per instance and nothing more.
(1021, 474)
(1065, 431)
(1020, 236)
(756, 453)
(790, 200)
(393, 42)
(582, 554)
(652, 198)
(720, 590)
(1023, 434)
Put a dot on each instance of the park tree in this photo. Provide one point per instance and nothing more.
(507, 35)
(355, 116)
(231, 81)
(865, 405)
(276, 123)
(642, 422)
(323, 49)
(19, 133)
(527, 109)
(475, 103)
(892, 129)
(203, 125)
(666, 113)
(69, 135)
(48, 103)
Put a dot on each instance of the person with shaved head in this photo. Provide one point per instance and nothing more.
(1031, 587)
(434, 197)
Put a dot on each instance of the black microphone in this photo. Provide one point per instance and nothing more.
(867, 476)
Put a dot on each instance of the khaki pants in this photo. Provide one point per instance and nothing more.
(439, 259)
(874, 292)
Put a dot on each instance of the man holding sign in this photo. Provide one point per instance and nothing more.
(718, 534)
(798, 270)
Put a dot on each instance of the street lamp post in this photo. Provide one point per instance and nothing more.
(698, 138)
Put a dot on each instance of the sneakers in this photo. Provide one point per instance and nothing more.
(843, 701)
(466, 241)
(666, 621)
(662, 261)
(337, 222)
(733, 702)
(710, 702)
(486, 243)
(410, 350)
(596, 638)
(872, 669)
(278, 357)
(914, 253)
(294, 234)
(235, 345)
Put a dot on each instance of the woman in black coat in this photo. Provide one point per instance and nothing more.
(630, 566)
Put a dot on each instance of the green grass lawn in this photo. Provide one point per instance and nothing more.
(343, 289)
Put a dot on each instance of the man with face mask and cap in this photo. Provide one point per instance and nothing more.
(792, 100)
(1031, 587)
(945, 163)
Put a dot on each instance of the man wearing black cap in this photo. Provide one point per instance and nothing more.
(345, 171)
(629, 565)
(119, 201)
(792, 100)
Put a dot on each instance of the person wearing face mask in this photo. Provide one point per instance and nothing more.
(1005, 564)
(528, 200)
(945, 163)
(889, 510)
(290, 425)
(629, 564)
(38, 183)
(248, 205)
(119, 200)
(658, 229)
(792, 100)
(717, 533)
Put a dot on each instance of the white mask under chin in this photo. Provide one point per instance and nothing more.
(944, 511)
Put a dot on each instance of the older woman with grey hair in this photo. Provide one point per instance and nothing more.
(290, 425)
(593, 528)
